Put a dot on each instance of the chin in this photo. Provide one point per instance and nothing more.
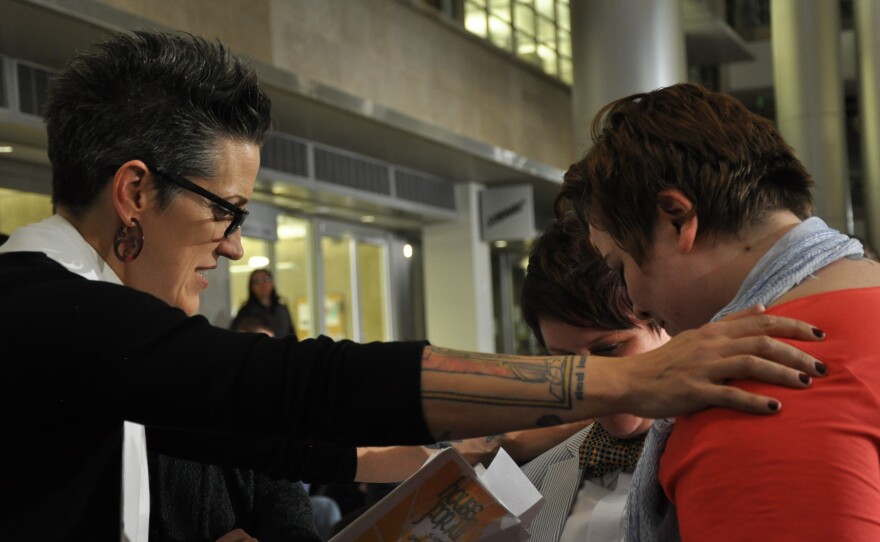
(625, 426)
(189, 306)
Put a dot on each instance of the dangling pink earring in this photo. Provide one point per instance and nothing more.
(128, 242)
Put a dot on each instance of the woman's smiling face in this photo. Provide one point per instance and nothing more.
(184, 240)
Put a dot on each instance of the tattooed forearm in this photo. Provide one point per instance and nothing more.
(548, 421)
(519, 381)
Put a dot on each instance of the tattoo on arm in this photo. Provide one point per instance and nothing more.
(544, 382)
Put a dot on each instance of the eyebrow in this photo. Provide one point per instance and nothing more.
(612, 334)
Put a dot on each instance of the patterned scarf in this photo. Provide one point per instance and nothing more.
(602, 453)
(804, 250)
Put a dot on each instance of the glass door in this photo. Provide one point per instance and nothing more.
(287, 253)
(372, 273)
(339, 307)
(354, 276)
(18, 209)
(294, 272)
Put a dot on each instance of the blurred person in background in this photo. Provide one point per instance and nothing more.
(263, 303)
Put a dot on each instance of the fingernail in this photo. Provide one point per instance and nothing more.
(773, 405)
(818, 333)
(805, 378)
(821, 368)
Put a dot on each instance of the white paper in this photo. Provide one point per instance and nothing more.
(445, 501)
(511, 487)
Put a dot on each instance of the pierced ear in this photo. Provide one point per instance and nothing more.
(678, 210)
(129, 190)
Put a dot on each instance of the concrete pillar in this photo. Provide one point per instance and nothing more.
(867, 21)
(620, 47)
(810, 110)
(458, 279)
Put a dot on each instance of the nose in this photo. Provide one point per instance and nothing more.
(230, 247)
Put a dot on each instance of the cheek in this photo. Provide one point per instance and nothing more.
(647, 343)
(186, 264)
(633, 281)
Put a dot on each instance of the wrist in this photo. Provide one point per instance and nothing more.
(609, 386)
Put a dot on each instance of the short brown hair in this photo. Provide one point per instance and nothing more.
(567, 282)
(731, 163)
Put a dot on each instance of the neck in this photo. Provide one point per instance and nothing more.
(98, 228)
(731, 259)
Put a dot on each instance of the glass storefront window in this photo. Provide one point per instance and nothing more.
(475, 20)
(525, 19)
(547, 55)
(527, 49)
(565, 45)
(18, 209)
(356, 285)
(500, 9)
(338, 305)
(563, 18)
(372, 291)
(538, 30)
(256, 256)
(547, 31)
(500, 33)
(546, 8)
(293, 271)
(323, 266)
(566, 71)
(512, 334)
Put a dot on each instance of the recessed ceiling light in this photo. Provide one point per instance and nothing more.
(255, 262)
(5, 149)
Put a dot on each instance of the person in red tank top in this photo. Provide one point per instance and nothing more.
(689, 196)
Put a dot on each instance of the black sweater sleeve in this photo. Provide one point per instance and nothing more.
(313, 462)
(112, 352)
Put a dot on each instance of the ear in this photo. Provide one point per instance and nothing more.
(129, 190)
(677, 210)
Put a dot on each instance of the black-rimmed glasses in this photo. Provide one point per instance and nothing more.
(239, 215)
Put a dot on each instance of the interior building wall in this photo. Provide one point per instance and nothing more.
(449, 78)
(243, 24)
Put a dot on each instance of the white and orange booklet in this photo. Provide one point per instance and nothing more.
(447, 500)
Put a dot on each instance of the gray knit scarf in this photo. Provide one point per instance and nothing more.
(808, 247)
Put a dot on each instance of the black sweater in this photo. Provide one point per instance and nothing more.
(198, 502)
(80, 356)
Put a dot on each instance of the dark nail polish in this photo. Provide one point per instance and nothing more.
(818, 333)
(805, 378)
(774, 405)
(821, 368)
